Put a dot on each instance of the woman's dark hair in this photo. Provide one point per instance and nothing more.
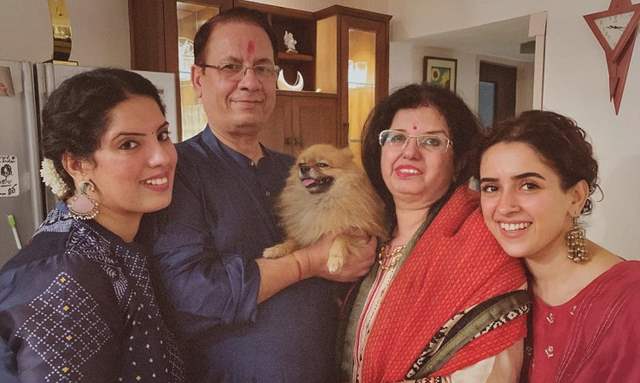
(464, 129)
(77, 113)
(238, 15)
(558, 140)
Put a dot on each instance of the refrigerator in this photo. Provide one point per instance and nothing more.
(24, 88)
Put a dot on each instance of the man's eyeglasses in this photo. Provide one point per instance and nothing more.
(398, 140)
(238, 71)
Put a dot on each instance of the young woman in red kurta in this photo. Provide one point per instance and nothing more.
(537, 173)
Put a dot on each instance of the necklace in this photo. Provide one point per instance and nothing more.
(388, 257)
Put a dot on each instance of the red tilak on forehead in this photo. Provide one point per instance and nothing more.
(414, 126)
(251, 48)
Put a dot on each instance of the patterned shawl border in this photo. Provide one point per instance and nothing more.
(479, 320)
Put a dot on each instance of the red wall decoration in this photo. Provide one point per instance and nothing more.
(616, 29)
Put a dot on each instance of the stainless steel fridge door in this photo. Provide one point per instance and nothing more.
(47, 82)
(20, 184)
(166, 85)
(50, 76)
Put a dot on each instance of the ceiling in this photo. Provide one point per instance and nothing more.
(500, 39)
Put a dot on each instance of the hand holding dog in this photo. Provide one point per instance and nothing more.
(313, 258)
(329, 210)
(311, 261)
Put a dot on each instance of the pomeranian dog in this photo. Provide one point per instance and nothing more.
(327, 193)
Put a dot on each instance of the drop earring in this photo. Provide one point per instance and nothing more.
(81, 206)
(575, 240)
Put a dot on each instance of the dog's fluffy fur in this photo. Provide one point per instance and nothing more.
(326, 192)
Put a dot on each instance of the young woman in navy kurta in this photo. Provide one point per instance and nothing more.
(77, 305)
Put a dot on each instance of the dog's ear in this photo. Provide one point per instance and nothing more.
(347, 152)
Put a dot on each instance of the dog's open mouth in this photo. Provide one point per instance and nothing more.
(317, 185)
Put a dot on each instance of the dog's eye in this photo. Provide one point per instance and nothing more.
(322, 165)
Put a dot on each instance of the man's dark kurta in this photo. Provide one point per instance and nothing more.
(220, 220)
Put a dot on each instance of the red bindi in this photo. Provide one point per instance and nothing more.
(251, 48)
(414, 127)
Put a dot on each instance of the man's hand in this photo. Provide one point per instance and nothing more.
(313, 259)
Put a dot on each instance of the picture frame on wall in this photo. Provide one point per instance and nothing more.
(441, 71)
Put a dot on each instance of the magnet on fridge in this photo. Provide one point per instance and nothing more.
(6, 84)
(9, 177)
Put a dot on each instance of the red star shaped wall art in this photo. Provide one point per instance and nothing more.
(616, 29)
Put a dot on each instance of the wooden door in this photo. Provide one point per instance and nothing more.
(503, 80)
(299, 120)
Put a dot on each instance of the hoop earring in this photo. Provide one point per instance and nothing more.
(575, 240)
(81, 206)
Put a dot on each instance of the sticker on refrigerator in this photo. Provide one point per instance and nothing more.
(9, 185)
(6, 85)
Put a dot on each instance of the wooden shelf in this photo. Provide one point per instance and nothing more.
(294, 56)
(305, 93)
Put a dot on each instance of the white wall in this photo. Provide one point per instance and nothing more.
(575, 84)
(100, 31)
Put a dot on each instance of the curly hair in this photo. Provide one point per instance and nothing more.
(77, 113)
(238, 15)
(464, 128)
(558, 140)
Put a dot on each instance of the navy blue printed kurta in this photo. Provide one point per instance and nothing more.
(77, 305)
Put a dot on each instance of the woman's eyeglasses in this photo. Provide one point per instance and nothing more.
(238, 71)
(398, 140)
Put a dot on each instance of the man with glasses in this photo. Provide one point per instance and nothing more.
(207, 245)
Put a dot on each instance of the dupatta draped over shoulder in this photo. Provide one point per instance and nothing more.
(456, 264)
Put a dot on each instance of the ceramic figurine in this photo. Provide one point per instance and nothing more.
(290, 42)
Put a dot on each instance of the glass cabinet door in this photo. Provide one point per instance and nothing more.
(362, 68)
(361, 83)
(190, 17)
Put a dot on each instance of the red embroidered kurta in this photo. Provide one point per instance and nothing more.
(595, 336)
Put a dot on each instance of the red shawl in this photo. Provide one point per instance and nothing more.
(455, 264)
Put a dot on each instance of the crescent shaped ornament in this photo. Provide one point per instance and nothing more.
(284, 85)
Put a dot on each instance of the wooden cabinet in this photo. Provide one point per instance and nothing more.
(343, 57)
(302, 25)
(344, 52)
(162, 34)
(301, 119)
(153, 27)
(358, 41)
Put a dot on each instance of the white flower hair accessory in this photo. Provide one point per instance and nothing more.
(52, 179)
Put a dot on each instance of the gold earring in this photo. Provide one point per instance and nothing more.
(575, 240)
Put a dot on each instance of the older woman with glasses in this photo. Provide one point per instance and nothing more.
(444, 302)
